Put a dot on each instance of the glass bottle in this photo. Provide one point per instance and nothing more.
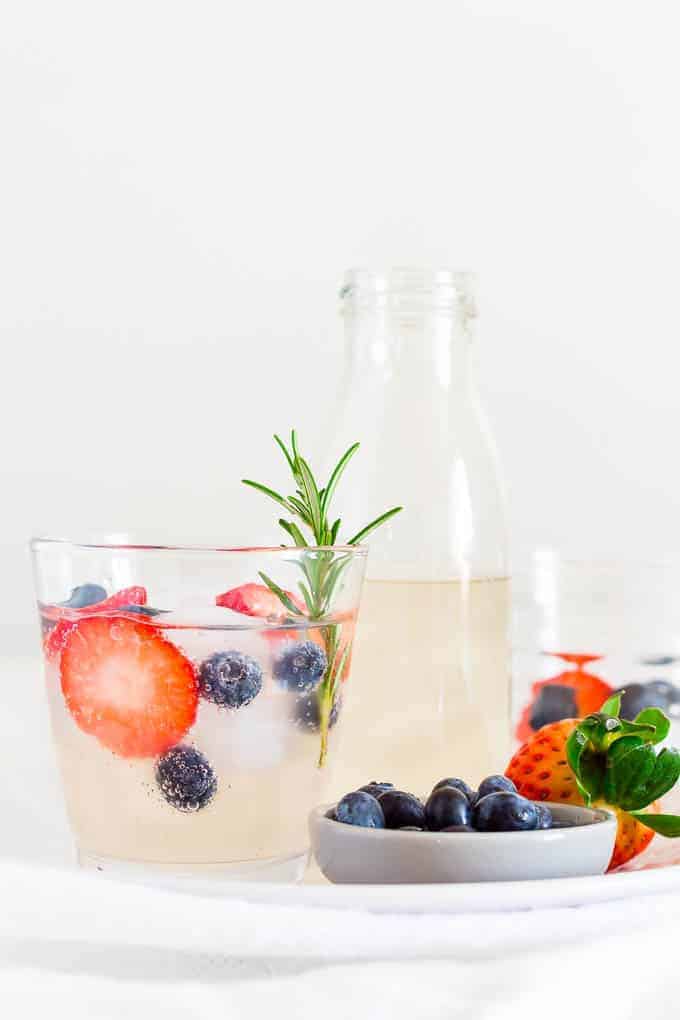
(430, 695)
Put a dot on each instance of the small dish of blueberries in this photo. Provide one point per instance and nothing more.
(378, 834)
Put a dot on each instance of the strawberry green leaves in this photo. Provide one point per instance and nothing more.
(616, 761)
(665, 825)
(629, 765)
(654, 717)
(577, 756)
(612, 705)
(653, 778)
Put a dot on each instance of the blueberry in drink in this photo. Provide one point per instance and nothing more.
(300, 666)
(186, 778)
(230, 679)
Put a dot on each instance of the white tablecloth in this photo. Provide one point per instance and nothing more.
(80, 945)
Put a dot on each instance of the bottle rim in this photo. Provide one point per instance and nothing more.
(440, 287)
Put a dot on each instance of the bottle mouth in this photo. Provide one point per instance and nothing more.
(443, 288)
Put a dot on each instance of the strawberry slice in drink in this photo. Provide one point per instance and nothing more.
(258, 600)
(128, 686)
(66, 617)
(133, 596)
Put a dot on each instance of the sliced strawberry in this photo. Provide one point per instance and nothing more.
(257, 600)
(126, 685)
(55, 639)
(577, 659)
(346, 639)
(590, 691)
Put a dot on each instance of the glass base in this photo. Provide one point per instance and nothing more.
(206, 878)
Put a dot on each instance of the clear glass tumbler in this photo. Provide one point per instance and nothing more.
(195, 697)
(585, 629)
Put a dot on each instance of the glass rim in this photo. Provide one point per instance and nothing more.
(548, 557)
(123, 544)
(415, 281)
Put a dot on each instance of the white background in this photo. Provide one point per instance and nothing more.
(182, 185)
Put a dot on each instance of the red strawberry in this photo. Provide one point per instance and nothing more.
(347, 638)
(55, 638)
(541, 770)
(589, 692)
(631, 838)
(125, 684)
(134, 596)
(258, 600)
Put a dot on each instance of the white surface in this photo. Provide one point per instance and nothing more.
(183, 186)
(76, 945)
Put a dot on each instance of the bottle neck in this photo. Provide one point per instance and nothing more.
(430, 346)
(417, 323)
(410, 400)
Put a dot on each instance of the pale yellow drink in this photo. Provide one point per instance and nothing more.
(429, 694)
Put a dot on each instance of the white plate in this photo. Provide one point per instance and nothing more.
(464, 898)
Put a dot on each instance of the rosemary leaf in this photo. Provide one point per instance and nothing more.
(277, 497)
(300, 509)
(373, 525)
(284, 449)
(336, 475)
(309, 602)
(281, 595)
(294, 532)
(312, 497)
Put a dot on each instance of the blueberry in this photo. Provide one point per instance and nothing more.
(495, 784)
(457, 784)
(186, 778)
(230, 679)
(504, 812)
(545, 818)
(445, 807)
(376, 789)
(360, 808)
(653, 694)
(84, 595)
(141, 610)
(554, 702)
(458, 828)
(306, 712)
(401, 809)
(300, 666)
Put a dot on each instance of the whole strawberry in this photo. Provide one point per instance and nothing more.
(605, 761)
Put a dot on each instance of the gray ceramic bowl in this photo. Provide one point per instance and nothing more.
(349, 853)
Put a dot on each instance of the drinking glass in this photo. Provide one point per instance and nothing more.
(195, 697)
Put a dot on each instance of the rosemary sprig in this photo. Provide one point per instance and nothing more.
(322, 568)
(310, 503)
